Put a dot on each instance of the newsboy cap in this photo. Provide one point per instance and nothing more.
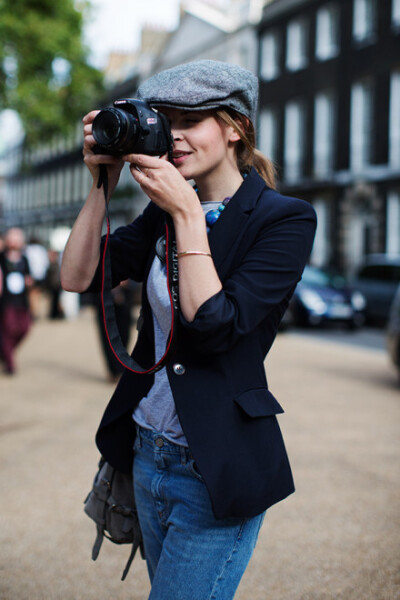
(203, 85)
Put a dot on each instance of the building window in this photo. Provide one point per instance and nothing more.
(394, 121)
(396, 13)
(393, 223)
(324, 133)
(327, 32)
(268, 133)
(270, 55)
(297, 46)
(360, 126)
(364, 20)
(322, 244)
(294, 141)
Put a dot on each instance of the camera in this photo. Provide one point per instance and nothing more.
(131, 126)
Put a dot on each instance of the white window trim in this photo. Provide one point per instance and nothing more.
(294, 140)
(327, 32)
(360, 125)
(364, 20)
(322, 244)
(268, 133)
(393, 223)
(324, 133)
(270, 54)
(396, 13)
(297, 45)
(394, 120)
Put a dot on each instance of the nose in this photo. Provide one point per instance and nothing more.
(175, 131)
(176, 134)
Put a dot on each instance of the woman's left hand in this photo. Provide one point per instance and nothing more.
(163, 183)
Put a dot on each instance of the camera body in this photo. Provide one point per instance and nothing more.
(131, 126)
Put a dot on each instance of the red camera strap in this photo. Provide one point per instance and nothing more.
(107, 303)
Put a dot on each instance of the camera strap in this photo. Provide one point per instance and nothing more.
(107, 303)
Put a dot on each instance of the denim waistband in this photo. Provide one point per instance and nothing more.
(160, 443)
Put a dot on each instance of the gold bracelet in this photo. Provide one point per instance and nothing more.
(192, 253)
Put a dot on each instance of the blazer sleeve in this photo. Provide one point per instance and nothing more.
(263, 282)
(129, 248)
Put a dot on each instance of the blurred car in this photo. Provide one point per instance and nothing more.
(377, 279)
(393, 332)
(321, 298)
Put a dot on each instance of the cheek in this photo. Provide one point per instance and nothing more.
(214, 143)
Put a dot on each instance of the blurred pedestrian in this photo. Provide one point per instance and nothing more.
(201, 433)
(52, 285)
(38, 260)
(15, 314)
(2, 245)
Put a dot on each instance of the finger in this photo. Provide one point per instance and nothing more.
(89, 142)
(90, 116)
(142, 160)
(87, 130)
(97, 159)
(139, 175)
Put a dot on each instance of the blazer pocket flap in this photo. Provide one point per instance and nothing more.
(259, 402)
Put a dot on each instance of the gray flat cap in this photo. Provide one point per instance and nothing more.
(203, 85)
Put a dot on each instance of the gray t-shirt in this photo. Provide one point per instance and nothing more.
(157, 410)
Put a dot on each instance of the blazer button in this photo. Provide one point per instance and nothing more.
(178, 369)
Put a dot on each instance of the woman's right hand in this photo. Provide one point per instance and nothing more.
(93, 161)
(82, 253)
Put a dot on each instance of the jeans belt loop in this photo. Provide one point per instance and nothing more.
(138, 436)
(184, 455)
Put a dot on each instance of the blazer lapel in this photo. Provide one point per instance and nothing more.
(228, 229)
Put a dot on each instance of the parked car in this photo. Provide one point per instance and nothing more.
(393, 332)
(377, 279)
(322, 297)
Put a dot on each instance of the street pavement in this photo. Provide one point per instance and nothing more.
(337, 537)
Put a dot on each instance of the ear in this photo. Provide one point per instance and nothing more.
(235, 136)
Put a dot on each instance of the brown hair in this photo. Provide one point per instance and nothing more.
(247, 153)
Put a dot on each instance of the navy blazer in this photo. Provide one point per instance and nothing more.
(260, 246)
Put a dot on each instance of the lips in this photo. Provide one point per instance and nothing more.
(179, 157)
(179, 154)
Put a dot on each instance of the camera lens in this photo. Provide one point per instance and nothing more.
(115, 130)
(107, 127)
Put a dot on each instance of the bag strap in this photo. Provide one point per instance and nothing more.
(135, 546)
(107, 303)
(98, 541)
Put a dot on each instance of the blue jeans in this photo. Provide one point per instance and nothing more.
(190, 554)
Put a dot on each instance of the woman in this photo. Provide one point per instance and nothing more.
(209, 458)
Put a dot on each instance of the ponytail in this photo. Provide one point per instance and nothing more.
(247, 154)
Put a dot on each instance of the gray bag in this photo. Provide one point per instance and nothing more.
(111, 505)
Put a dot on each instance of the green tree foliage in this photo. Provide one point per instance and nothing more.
(44, 73)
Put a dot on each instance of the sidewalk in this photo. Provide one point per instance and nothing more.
(336, 538)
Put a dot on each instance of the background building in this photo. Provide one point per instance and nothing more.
(45, 188)
(330, 118)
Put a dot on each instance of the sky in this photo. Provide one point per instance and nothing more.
(116, 24)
